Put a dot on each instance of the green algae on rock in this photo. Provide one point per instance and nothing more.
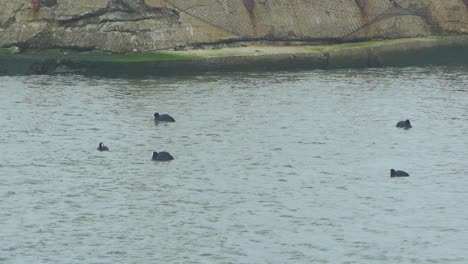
(382, 53)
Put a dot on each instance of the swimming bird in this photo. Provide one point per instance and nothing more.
(102, 147)
(162, 156)
(398, 173)
(404, 124)
(163, 117)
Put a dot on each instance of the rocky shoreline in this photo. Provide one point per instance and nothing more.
(447, 50)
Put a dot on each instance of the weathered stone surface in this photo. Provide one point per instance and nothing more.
(451, 15)
(147, 25)
(394, 27)
(68, 9)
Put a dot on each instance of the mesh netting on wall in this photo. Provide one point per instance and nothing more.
(304, 19)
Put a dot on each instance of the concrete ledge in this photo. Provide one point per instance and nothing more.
(449, 50)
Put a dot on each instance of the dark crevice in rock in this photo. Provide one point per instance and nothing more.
(49, 3)
(75, 48)
(127, 5)
(10, 21)
(120, 15)
(114, 17)
(76, 20)
(131, 32)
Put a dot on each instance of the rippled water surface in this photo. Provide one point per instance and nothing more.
(284, 167)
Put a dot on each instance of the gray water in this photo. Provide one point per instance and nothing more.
(284, 167)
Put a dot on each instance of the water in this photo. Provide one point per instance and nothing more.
(284, 167)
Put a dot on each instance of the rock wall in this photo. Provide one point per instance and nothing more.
(147, 25)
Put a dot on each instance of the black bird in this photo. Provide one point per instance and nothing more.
(102, 147)
(163, 117)
(398, 173)
(162, 156)
(404, 124)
